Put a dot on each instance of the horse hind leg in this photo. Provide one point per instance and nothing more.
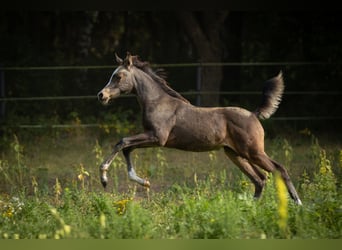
(254, 174)
(270, 165)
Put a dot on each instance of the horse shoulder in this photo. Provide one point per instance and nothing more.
(160, 118)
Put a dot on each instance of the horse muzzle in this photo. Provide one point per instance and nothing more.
(106, 95)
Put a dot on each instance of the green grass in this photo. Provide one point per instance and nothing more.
(50, 188)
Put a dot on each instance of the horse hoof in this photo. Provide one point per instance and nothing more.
(104, 182)
(147, 184)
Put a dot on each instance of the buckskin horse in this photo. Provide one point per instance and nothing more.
(169, 120)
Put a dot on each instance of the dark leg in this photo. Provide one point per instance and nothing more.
(140, 140)
(131, 172)
(292, 190)
(254, 174)
(268, 164)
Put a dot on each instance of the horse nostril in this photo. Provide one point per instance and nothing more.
(100, 96)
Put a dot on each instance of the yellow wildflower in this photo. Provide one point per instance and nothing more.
(282, 202)
(103, 220)
(67, 229)
(121, 205)
(8, 213)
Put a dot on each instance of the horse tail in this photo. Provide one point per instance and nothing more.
(271, 97)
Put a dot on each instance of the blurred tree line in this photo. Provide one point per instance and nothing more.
(52, 38)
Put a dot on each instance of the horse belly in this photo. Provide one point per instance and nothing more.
(197, 137)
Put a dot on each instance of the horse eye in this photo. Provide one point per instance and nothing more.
(117, 77)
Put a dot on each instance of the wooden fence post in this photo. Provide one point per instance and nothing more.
(198, 84)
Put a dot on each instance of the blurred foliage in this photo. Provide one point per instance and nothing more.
(52, 38)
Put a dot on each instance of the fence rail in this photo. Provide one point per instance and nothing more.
(163, 65)
(187, 93)
(98, 125)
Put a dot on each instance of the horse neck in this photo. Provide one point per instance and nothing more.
(147, 89)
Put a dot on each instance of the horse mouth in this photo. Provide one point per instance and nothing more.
(105, 102)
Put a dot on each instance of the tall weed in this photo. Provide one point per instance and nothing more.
(15, 173)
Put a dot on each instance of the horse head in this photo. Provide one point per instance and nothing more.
(121, 81)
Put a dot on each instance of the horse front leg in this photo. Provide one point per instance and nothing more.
(106, 163)
(140, 140)
(130, 169)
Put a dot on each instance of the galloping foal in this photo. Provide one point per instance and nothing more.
(169, 120)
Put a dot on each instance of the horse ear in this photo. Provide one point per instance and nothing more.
(128, 60)
(118, 59)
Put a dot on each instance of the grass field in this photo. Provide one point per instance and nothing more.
(50, 188)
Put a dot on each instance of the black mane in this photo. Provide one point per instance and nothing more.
(158, 75)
